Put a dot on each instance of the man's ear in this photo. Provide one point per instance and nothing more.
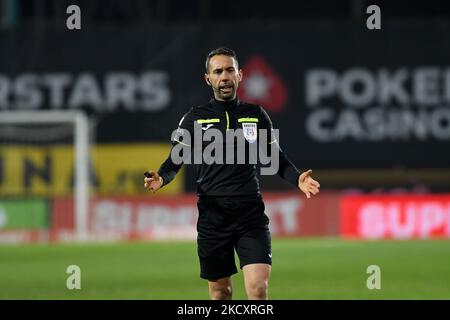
(207, 79)
(241, 74)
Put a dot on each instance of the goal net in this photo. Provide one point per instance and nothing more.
(44, 157)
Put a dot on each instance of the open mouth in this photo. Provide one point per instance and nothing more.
(226, 89)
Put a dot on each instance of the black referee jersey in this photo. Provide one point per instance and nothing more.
(227, 179)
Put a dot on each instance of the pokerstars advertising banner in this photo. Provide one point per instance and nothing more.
(341, 95)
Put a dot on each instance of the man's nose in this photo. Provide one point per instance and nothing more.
(225, 77)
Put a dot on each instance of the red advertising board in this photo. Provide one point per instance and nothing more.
(175, 217)
(291, 215)
(396, 217)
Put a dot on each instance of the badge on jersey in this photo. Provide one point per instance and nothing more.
(250, 132)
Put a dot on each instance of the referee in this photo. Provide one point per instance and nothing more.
(231, 210)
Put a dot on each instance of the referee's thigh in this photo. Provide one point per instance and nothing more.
(215, 242)
(254, 246)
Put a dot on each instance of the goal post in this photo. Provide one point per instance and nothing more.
(81, 153)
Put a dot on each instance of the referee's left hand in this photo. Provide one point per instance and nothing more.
(307, 184)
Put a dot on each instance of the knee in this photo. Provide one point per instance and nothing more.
(258, 291)
(221, 293)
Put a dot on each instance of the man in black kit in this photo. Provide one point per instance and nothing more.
(231, 209)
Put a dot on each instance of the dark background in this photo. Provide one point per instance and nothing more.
(292, 38)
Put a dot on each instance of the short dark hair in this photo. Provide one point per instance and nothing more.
(220, 51)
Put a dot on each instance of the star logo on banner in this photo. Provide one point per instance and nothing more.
(262, 85)
(257, 86)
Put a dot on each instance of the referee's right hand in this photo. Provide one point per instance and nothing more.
(152, 181)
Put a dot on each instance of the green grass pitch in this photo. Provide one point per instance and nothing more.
(302, 269)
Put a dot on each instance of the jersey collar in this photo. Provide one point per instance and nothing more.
(224, 105)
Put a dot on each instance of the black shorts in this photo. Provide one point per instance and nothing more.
(226, 224)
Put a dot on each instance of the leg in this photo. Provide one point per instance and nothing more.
(256, 279)
(215, 247)
(255, 254)
(220, 289)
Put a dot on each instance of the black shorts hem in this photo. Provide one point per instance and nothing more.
(253, 262)
(218, 276)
